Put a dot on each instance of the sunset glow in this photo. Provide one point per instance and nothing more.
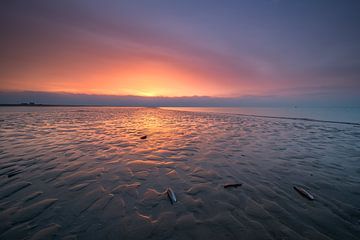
(85, 48)
(179, 119)
(141, 79)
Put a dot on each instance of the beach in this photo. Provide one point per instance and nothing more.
(88, 173)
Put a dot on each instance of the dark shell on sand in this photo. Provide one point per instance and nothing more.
(235, 185)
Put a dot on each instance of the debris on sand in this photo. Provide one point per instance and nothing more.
(304, 193)
(143, 137)
(235, 185)
(171, 195)
(13, 173)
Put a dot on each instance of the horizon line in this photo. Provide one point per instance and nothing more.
(85, 99)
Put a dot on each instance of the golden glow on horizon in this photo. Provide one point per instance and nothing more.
(148, 78)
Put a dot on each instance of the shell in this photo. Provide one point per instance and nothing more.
(171, 195)
(304, 193)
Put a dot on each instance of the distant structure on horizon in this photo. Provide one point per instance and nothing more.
(29, 103)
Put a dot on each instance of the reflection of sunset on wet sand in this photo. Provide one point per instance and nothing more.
(85, 173)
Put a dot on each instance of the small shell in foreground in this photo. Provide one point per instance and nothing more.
(171, 195)
(304, 193)
(235, 185)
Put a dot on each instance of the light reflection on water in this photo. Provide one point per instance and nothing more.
(91, 174)
(337, 114)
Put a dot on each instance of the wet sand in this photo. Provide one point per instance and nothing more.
(85, 173)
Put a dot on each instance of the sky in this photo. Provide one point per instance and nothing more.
(236, 52)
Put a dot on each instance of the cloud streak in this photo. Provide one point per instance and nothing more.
(182, 49)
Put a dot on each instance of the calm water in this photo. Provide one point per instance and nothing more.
(84, 173)
(349, 115)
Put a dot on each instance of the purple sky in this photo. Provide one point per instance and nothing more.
(295, 52)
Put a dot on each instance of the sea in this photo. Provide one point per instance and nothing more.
(329, 114)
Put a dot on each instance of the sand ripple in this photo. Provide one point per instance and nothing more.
(85, 173)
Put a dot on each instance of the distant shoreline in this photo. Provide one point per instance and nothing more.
(38, 105)
(60, 105)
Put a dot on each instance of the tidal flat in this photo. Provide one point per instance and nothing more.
(89, 173)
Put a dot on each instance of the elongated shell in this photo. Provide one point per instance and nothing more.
(233, 185)
(304, 192)
(171, 195)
